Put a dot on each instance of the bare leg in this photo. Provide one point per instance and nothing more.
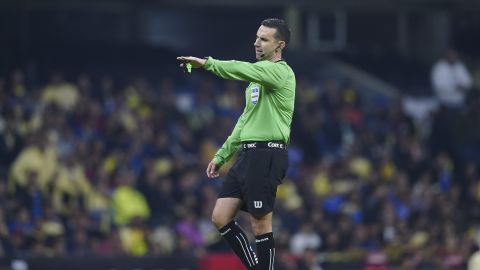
(223, 213)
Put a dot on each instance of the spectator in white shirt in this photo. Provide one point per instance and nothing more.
(450, 80)
(305, 239)
(474, 261)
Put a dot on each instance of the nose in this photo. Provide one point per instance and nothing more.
(255, 43)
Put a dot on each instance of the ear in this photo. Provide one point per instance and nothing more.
(281, 45)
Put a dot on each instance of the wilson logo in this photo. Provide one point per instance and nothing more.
(257, 204)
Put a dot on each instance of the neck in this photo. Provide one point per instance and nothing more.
(275, 57)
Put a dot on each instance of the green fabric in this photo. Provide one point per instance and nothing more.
(269, 102)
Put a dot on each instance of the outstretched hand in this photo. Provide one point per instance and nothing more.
(212, 170)
(195, 61)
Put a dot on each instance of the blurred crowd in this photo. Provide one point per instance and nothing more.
(115, 166)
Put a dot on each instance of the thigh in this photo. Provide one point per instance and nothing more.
(225, 210)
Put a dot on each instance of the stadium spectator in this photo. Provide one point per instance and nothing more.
(128, 203)
(60, 93)
(306, 238)
(450, 80)
(39, 157)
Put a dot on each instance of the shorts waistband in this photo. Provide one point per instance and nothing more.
(264, 145)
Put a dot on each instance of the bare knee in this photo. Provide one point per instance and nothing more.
(224, 211)
(219, 219)
(261, 224)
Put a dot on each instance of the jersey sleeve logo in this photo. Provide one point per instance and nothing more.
(254, 95)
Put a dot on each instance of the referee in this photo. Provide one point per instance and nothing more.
(260, 136)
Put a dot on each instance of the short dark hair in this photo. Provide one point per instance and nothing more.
(283, 32)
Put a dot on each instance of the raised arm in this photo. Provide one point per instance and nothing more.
(262, 72)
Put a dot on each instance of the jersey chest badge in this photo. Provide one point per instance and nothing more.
(255, 94)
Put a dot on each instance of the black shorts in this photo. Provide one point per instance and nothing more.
(254, 178)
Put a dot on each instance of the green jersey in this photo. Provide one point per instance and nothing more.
(269, 102)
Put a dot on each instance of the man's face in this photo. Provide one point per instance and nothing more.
(266, 43)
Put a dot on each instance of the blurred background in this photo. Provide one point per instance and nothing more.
(104, 140)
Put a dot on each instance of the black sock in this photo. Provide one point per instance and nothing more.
(237, 239)
(265, 251)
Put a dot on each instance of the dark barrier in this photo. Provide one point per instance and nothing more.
(110, 263)
(214, 261)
